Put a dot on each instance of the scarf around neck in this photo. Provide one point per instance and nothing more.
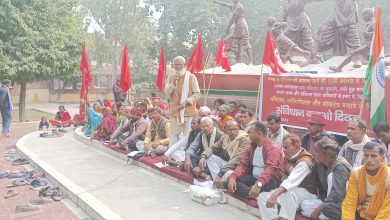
(378, 196)
(359, 147)
(205, 143)
(184, 96)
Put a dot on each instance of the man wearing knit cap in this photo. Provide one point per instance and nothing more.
(316, 131)
(182, 90)
(224, 116)
(136, 127)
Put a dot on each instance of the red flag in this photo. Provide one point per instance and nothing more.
(221, 56)
(125, 80)
(161, 71)
(195, 63)
(269, 56)
(86, 75)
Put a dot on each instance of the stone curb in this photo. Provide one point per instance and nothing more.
(84, 200)
(97, 145)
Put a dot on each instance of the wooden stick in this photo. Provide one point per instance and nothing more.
(259, 110)
(208, 88)
(203, 74)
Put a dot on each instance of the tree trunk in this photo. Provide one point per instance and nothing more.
(61, 91)
(22, 101)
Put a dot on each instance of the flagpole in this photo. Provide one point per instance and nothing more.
(362, 107)
(259, 99)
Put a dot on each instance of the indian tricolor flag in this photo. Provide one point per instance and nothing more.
(374, 84)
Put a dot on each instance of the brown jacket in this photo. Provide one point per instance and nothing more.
(229, 150)
(136, 129)
(173, 93)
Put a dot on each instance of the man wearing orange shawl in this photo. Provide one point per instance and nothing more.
(224, 116)
(368, 192)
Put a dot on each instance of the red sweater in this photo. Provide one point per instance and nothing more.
(273, 161)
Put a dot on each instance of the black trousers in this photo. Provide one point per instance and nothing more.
(245, 183)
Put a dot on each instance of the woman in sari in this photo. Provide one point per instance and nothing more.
(80, 119)
(62, 118)
(93, 119)
(106, 127)
(120, 116)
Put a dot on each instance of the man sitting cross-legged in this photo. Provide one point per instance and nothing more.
(157, 136)
(275, 129)
(223, 157)
(332, 174)
(299, 184)
(261, 167)
(176, 153)
(368, 192)
(136, 127)
(205, 139)
(246, 119)
(352, 150)
(315, 131)
(224, 116)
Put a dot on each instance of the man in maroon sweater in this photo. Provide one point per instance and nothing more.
(261, 168)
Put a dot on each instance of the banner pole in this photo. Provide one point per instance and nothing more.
(259, 101)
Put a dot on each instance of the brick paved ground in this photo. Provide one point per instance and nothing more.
(52, 211)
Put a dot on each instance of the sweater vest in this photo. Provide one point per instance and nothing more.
(158, 129)
(309, 183)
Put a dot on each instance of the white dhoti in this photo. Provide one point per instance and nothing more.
(308, 206)
(215, 163)
(178, 130)
(176, 151)
(289, 203)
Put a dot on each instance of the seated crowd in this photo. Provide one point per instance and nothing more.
(283, 172)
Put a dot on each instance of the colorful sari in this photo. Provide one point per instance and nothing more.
(94, 120)
(62, 119)
(106, 127)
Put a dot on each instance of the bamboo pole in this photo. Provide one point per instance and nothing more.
(208, 88)
(203, 74)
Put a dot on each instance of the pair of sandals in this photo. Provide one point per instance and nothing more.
(53, 192)
(16, 184)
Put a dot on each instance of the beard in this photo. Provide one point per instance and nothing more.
(181, 72)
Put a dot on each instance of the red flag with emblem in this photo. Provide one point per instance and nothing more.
(195, 63)
(269, 56)
(221, 57)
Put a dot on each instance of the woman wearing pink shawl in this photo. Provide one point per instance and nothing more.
(106, 127)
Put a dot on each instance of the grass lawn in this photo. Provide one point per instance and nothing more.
(31, 115)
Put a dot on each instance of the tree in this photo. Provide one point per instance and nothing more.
(39, 40)
(123, 22)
